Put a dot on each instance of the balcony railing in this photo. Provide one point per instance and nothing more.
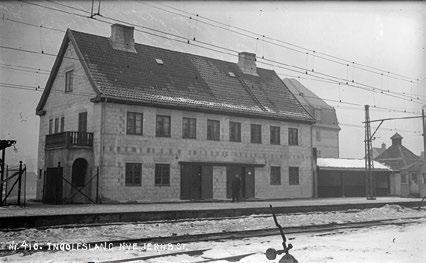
(69, 139)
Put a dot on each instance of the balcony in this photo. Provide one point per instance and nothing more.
(69, 139)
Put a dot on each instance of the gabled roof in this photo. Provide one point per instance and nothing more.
(348, 164)
(312, 102)
(183, 80)
(398, 156)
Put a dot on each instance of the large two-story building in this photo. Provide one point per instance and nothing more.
(131, 122)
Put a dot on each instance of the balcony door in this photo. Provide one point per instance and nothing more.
(82, 122)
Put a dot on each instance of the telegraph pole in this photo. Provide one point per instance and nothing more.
(369, 166)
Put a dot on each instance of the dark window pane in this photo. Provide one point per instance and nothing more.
(62, 124)
(256, 133)
(163, 126)
(68, 80)
(162, 175)
(235, 131)
(82, 122)
(56, 125)
(293, 136)
(189, 128)
(275, 175)
(275, 135)
(293, 175)
(50, 126)
(133, 174)
(213, 130)
(134, 123)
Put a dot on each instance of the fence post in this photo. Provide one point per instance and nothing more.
(19, 183)
(25, 185)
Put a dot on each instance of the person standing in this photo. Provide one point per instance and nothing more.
(236, 188)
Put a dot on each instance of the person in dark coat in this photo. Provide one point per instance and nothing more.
(236, 188)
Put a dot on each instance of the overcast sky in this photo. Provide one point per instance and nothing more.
(386, 35)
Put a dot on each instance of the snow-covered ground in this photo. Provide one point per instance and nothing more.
(390, 243)
(155, 229)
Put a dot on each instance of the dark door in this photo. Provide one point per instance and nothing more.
(185, 182)
(206, 182)
(246, 174)
(53, 186)
(82, 122)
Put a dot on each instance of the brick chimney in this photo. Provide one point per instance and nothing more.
(247, 63)
(122, 38)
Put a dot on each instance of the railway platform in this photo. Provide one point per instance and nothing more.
(41, 215)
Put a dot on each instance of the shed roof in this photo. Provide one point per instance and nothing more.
(348, 164)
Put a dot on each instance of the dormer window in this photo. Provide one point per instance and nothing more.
(159, 61)
(69, 80)
(231, 74)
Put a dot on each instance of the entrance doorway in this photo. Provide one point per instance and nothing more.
(79, 170)
(246, 178)
(52, 193)
(196, 182)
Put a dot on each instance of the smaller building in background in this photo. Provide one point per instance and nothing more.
(325, 131)
(346, 178)
(410, 180)
(378, 150)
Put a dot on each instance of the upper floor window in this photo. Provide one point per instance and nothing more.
(62, 124)
(293, 136)
(256, 133)
(213, 130)
(234, 131)
(50, 126)
(275, 135)
(293, 176)
(163, 126)
(56, 125)
(133, 174)
(275, 175)
(162, 174)
(82, 122)
(134, 123)
(69, 80)
(189, 128)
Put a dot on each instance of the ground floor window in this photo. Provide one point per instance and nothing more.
(133, 174)
(162, 174)
(275, 175)
(293, 175)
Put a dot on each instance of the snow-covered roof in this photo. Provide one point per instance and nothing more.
(348, 164)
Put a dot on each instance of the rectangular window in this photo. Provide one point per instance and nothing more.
(189, 128)
(134, 123)
(50, 126)
(275, 135)
(293, 175)
(82, 122)
(163, 126)
(68, 80)
(213, 130)
(293, 136)
(162, 174)
(256, 133)
(234, 131)
(62, 124)
(275, 175)
(56, 125)
(403, 178)
(133, 174)
(424, 178)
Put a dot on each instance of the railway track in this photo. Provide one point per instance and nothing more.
(216, 236)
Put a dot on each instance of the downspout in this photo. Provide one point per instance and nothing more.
(102, 150)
